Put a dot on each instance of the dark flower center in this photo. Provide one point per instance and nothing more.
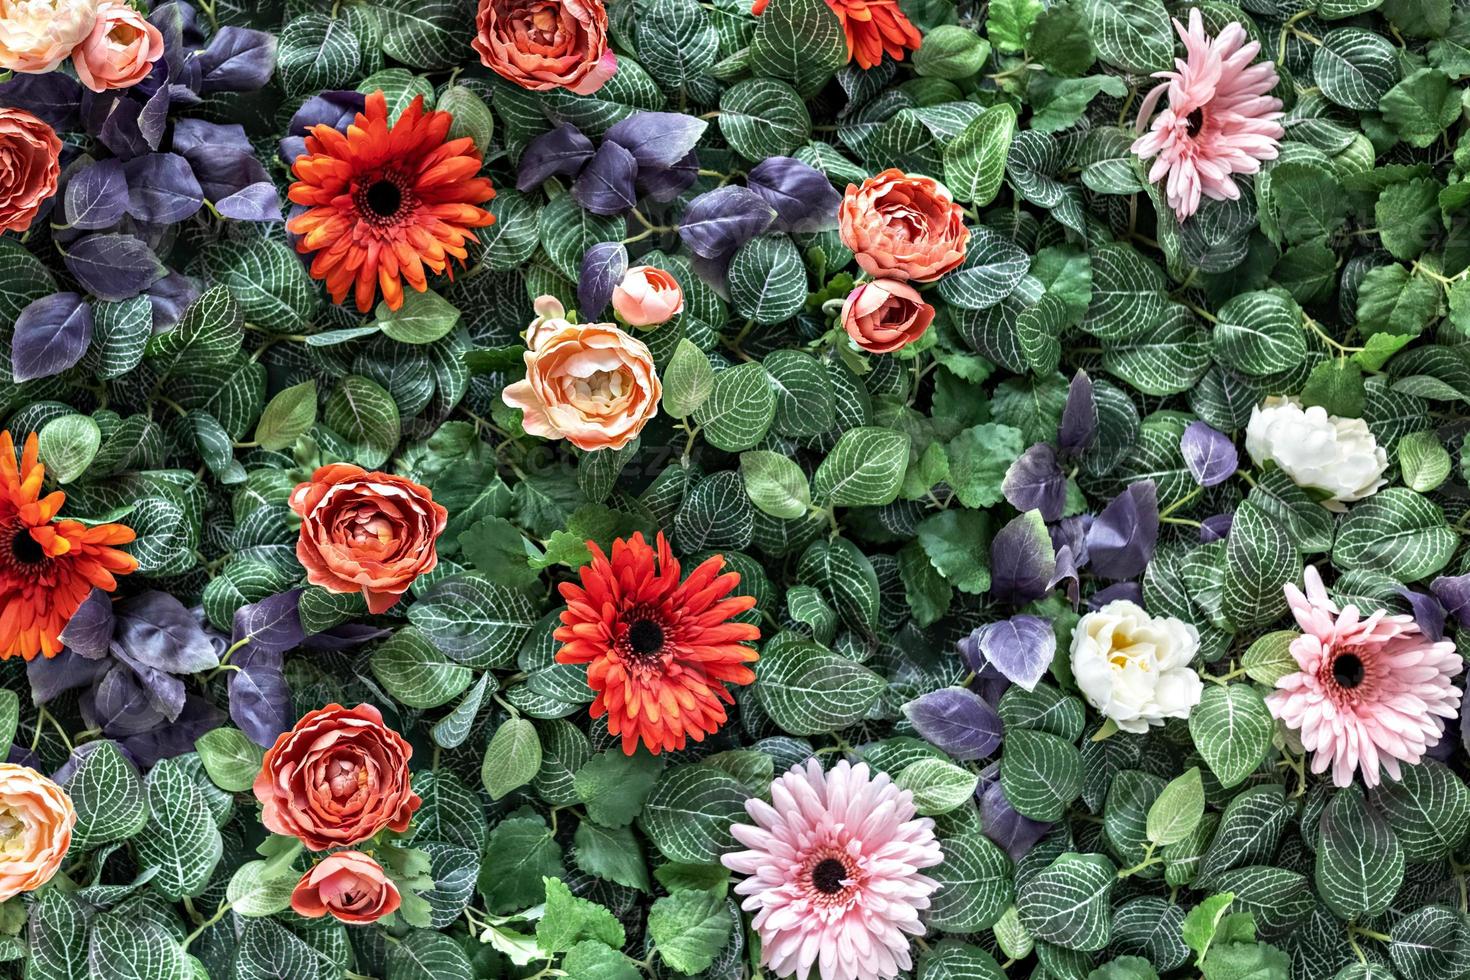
(1195, 120)
(25, 549)
(645, 637)
(1348, 670)
(827, 876)
(384, 198)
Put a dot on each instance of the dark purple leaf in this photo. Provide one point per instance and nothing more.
(1216, 528)
(657, 140)
(803, 197)
(170, 297)
(54, 98)
(1035, 481)
(1006, 828)
(271, 624)
(1129, 591)
(609, 183)
(162, 189)
(155, 629)
(603, 267)
(51, 335)
(51, 676)
(260, 703)
(199, 134)
(96, 195)
(177, 737)
(345, 637)
(1067, 574)
(1022, 561)
(182, 33)
(669, 182)
(89, 631)
(257, 202)
(1079, 416)
(236, 60)
(335, 108)
(223, 170)
(1453, 592)
(1210, 455)
(719, 222)
(562, 151)
(114, 266)
(1020, 648)
(1122, 538)
(153, 120)
(715, 273)
(1428, 613)
(957, 721)
(122, 704)
(117, 121)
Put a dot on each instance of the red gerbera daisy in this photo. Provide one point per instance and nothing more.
(659, 651)
(47, 566)
(386, 201)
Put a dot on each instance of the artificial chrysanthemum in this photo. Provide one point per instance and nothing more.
(385, 202)
(872, 28)
(1369, 693)
(47, 566)
(1219, 122)
(833, 870)
(659, 651)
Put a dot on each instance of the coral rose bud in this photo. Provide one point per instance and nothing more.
(337, 778)
(546, 44)
(30, 163)
(366, 532)
(120, 51)
(647, 297)
(36, 820)
(885, 315)
(903, 227)
(348, 886)
(37, 35)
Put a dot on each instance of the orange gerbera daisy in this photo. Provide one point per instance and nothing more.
(47, 566)
(872, 28)
(386, 201)
(659, 651)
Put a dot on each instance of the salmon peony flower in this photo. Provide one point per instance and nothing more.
(347, 885)
(339, 777)
(37, 35)
(30, 164)
(885, 315)
(546, 44)
(590, 384)
(372, 533)
(901, 226)
(48, 567)
(659, 652)
(1369, 692)
(872, 27)
(1220, 120)
(385, 202)
(36, 820)
(120, 51)
(833, 873)
(647, 297)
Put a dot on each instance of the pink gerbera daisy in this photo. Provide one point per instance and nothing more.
(1219, 122)
(1369, 693)
(833, 871)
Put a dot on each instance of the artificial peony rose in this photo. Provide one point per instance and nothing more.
(337, 778)
(551, 317)
(546, 44)
(903, 227)
(366, 532)
(347, 885)
(647, 297)
(1135, 668)
(30, 163)
(590, 384)
(885, 315)
(36, 820)
(1338, 457)
(120, 51)
(37, 35)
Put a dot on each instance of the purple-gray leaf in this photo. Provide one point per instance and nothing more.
(803, 197)
(49, 677)
(117, 121)
(260, 703)
(1006, 828)
(156, 629)
(1453, 592)
(1428, 613)
(198, 134)
(603, 267)
(657, 140)
(1022, 561)
(96, 195)
(121, 704)
(335, 108)
(563, 151)
(957, 721)
(113, 266)
(1021, 648)
(237, 60)
(1079, 416)
(1035, 481)
(719, 222)
(667, 183)
(254, 202)
(223, 169)
(1122, 538)
(1126, 591)
(271, 624)
(162, 189)
(89, 631)
(608, 185)
(1209, 454)
(53, 97)
(1215, 528)
(51, 335)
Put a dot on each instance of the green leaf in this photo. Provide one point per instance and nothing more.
(951, 51)
(1040, 773)
(807, 689)
(614, 785)
(315, 53)
(688, 380)
(1396, 532)
(1360, 863)
(499, 550)
(592, 960)
(287, 417)
(978, 460)
(1337, 386)
(689, 813)
(1355, 67)
(1428, 808)
(800, 41)
(739, 409)
(9, 715)
(1232, 730)
(864, 469)
(938, 786)
(108, 796)
(231, 759)
(1134, 35)
(180, 838)
(974, 161)
(689, 929)
(422, 318)
(1431, 942)
(426, 34)
(951, 959)
(1059, 39)
(512, 758)
(525, 852)
(775, 484)
(568, 920)
(767, 280)
(612, 854)
(1260, 333)
(762, 117)
(1009, 21)
(1178, 809)
(474, 621)
(472, 118)
(975, 884)
(1391, 301)
(1424, 461)
(68, 445)
(1421, 106)
(1066, 903)
(1059, 103)
(1259, 559)
(416, 673)
(958, 545)
(1269, 658)
(363, 413)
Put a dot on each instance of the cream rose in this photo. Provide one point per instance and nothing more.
(551, 318)
(36, 820)
(1134, 668)
(1336, 456)
(37, 35)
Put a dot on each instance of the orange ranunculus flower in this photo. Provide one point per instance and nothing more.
(37, 35)
(902, 226)
(120, 51)
(348, 886)
(885, 315)
(372, 533)
(336, 779)
(546, 44)
(590, 384)
(873, 28)
(647, 297)
(30, 164)
(36, 818)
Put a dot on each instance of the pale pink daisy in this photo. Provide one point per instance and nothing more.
(1369, 693)
(1219, 122)
(833, 865)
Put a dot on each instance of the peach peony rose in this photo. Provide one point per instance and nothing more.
(36, 819)
(901, 226)
(885, 315)
(120, 51)
(590, 384)
(551, 318)
(647, 297)
(37, 35)
(337, 778)
(30, 163)
(348, 886)
(546, 44)
(366, 532)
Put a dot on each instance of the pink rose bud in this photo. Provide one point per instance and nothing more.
(647, 297)
(885, 315)
(903, 226)
(543, 45)
(120, 51)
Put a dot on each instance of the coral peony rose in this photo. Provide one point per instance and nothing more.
(901, 226)
(37, 35)
(348, 886)
(366, 532)
(337, 778)
(36, 819)
(884, 315)
(120, 51)
(647, 297)
(551, 318)
(590, 384)
(30, 163)
(546, 44)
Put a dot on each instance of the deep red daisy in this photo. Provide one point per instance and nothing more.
(659, 651)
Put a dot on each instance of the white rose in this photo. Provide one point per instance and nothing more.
(37, 35)
(1134, 668)
(1337, 456)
